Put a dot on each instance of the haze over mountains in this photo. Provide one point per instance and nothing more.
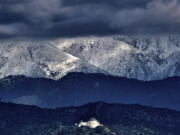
(140, 57)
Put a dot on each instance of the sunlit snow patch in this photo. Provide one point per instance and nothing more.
(92, 123)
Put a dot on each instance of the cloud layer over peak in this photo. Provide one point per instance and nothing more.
(54, 18)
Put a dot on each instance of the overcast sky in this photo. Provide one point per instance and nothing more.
(56, 18)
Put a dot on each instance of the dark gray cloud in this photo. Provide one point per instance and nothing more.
(119, 4)
(85, 17)
(13, 1)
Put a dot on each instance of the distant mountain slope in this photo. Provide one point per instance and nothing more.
(79, 88)
(38, 59)
(116, 119)
(139, 57)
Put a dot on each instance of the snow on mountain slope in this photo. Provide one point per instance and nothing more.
(141, 57)
(38, 60)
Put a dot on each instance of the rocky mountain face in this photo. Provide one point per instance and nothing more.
(38, 60)
(116, 119)
(143, 58)
(140, 57)
(79, 88)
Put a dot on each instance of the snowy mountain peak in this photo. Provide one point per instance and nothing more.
(140, 57)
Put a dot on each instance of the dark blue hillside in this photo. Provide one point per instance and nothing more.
(79, 88)
(117, 119)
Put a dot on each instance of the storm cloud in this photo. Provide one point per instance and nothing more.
(54, 18)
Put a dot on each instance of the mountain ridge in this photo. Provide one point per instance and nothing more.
(80, 88)
(139, 57)
(116, 119)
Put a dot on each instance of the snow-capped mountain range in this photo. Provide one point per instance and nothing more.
(140, 57)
